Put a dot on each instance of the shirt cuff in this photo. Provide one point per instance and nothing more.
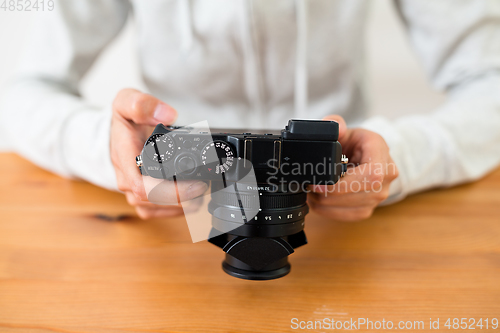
(386, 129)
(86, 147)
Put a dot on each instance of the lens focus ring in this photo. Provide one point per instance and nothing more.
(267, 200)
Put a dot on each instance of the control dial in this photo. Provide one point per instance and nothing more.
(217, 157)
(185, 164)
(159, 148)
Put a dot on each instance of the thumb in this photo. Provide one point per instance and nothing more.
(143, 109)
(342, 125)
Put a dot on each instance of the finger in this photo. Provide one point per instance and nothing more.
(373, 149)
(392, 169)
(362, 198)
(162, 193)
(122, 181)
(356, 179)
(342, 125)
(194, 205)
(189, 190)
(136, 202)
(348, 214)
(346, 200)
(128, 175)
(158, 212)
(169, 193)
(143, 109)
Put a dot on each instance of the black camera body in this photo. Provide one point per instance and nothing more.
(306, 152)
(290, 156)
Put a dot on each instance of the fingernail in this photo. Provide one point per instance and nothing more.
(196, 189)
(164, 114)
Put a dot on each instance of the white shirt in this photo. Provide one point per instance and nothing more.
(258, 63)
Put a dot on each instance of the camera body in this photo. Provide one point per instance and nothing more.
(305, 152)
(258, 182)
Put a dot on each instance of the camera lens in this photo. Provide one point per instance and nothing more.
(257, 248)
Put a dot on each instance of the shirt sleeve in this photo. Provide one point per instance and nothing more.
(458, 43)
(42, 115)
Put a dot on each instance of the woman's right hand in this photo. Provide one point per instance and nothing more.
(134, 116)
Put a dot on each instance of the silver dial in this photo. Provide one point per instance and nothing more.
(160, 148)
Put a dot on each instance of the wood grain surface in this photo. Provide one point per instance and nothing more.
(75, 258)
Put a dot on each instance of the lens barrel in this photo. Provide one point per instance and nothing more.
(265, 228)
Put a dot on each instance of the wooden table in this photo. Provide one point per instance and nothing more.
(75, 258)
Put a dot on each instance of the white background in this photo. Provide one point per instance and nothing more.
(397, 82)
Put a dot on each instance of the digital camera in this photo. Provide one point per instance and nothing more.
(258, 180)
